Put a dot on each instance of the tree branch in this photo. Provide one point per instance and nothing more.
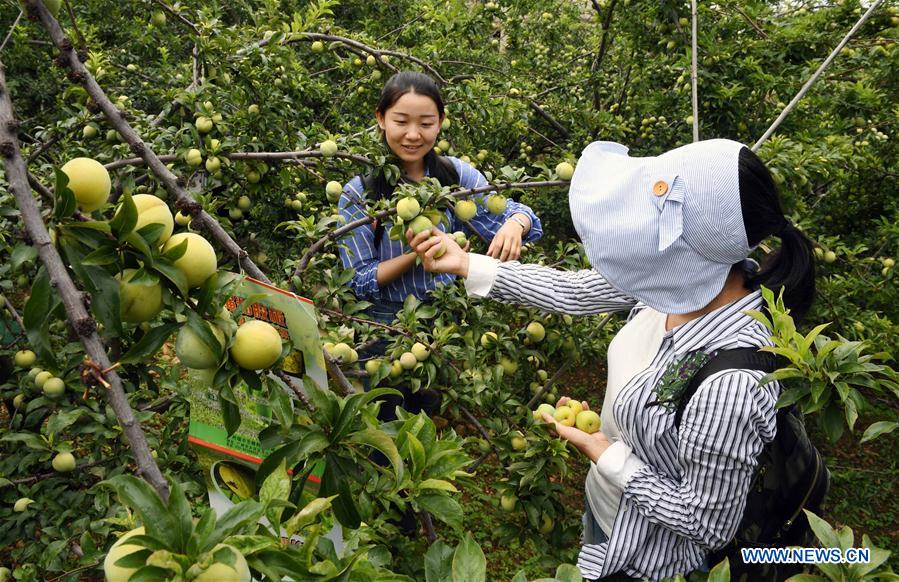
(552, 120)
(179, 16)
(76, 312)
(694, 80)
(11, 29)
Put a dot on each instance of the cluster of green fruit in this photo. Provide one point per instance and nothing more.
(572, 413)
(49, 384)
(826, 256)
(408, 360)
(342, 352)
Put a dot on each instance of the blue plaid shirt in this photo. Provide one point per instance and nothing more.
(357, 249)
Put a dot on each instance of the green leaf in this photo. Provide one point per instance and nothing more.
(22, 253)
(206, 294)
(149, 344)
(125, 219)
(350, 411)
(822, 530)
(170, 272)
(416, 454)
(439, 562)
(181, 516)
(438, 484)
(37, 314)
(879, 428)
(236, 519)
(143, 499)
(152, 233)
(568, 573)
(469, 563)
(721, 572)
(379, 440)
(105, 302)
(335, 481)
(308, 514)
(251, 544)
(276, 487)
(107, 254)
(65, 201)
(442, 507)
(176, 252)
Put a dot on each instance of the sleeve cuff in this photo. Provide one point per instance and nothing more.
(618, 464)
(481, 274)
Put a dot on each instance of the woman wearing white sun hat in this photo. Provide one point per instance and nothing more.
(669, 239)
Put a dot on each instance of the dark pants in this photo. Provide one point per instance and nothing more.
(424, 400)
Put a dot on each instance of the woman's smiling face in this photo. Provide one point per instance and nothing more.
(411, 127)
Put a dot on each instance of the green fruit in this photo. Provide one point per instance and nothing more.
(193, 157)
(138, 302)
(420, 351)
(564, 415)
(22, 504)
(420, 224)
(396, 368)
(318, 46)
(565, 171)
(25, 358)
(119, 550)
(830, 257)
(519, 443)
(54, 387)
(220, 571)
(371, 61)
(489, 338)
(158, 19)
(328, 148)
(89, 181)
(547, 525)
(508, 502)
(460, 237)
(198, 262)
(193, 352)
(257, 345)
(42, 378)
(244, 203)
(408, 208)
(440, 250)
(333, 190)
(343, 353)
(543, 409)
(18, 401)
(888, 263)
(509, 366)
(496, 204)
(408, 360)
(33, 372)
(204, 124)
(372, 366)
(535, 331)
(213, 164)
(588, 421)
(253, 109)
(64, 462)
(90, 132)
(542, 375)
(253, 176)
(182, 219)
(235, 213)
(466, 210)
(152, 210)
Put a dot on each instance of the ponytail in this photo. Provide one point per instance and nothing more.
(792, 266)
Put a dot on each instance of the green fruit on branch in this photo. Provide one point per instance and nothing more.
(253, 176)
(54, 387)
(508, 502)
(257, 345)
(119, 550)
(543, 409)
(420, 351)
(89, 182)
(220, 571)
(536, 331)
(588, 421)
(408, 360)
(460, 238)
(198, 262)
(182, 219)
(42, 378)
(564, 415)
(204, 124)
(213, 164)
(296, 205)
(235, 213)
(546, 526)
(22, 504)
(396, 368)
(420, 224)
(496, 204)
(328, 148)
(253, 109)
(152, 210)
(509, 365)
(318, 46)
(193, 157)
(193, 352)
(64, 462)
(488, 339)
(565, 171)
(157, 19)
(90, 132)
(25, 358)
(466, 210)
(344, 353)
(372, 366)
(542, 375)
(519, 443)
(33, 372)
(408, 208)
(333, 189)
(371, 61)
(830, 257)
(18, 401)
(244, 203)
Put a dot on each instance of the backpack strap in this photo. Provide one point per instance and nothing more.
(735, 359)
(368, 184)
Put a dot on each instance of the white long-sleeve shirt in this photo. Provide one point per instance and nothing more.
(684, 490)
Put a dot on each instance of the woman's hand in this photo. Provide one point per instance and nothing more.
(593, 445)
(506, 244)
(426, 244)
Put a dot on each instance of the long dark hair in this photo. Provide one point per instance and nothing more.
(396, 86)
(792, 266)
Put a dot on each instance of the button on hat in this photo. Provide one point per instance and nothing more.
(672, 249)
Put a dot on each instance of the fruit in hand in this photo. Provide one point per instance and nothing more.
(198, 262)
(257, 345)
(466, 209)
(565, 171)
(496, 204)
(152, 210)
(25, 358)
(408, 208)
(64, 462)
(543, 409)
(575, 406)
(420, 224)
(564, 415)
(89, 182)
(119, 550)
(587, 421)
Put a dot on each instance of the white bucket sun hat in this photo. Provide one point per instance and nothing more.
(664, 230)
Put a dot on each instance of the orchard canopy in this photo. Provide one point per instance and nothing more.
(135, 394)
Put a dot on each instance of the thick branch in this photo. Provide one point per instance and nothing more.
(552, 120)
(694, 80)
(76, 312)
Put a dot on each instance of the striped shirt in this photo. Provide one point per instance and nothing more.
(684, 490)
(357, 249)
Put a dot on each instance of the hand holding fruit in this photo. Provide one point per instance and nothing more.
(592, 444)
(428, 245)
(506, 245)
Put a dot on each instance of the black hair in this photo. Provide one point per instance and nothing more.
(396, 86)
(792, 266)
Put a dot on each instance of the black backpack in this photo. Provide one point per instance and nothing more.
(790, 477)
(368, 185)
